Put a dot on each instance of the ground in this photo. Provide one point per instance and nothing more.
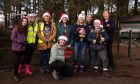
(125, 72)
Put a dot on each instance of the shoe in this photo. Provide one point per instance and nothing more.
(16, 78)
(55, 75)
(47, 69)
(27, 69)
(81, 69)
(42, 70)
(96, 69)
(75, 69)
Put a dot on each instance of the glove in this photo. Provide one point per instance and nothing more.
(102, 39)
(94, 41)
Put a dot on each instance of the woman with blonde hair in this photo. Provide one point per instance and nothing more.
(80, 43)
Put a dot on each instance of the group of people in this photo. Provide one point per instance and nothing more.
(59, 44)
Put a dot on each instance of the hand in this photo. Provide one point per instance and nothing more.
(94, 41)
(47, 40)
(69, 46)
(81, 31)
(102, 39)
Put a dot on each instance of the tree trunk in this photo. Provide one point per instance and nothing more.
(135, 7)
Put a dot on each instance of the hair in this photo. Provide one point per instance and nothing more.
(106, 11)
(42, 19)
(78, 23)
(19, 26)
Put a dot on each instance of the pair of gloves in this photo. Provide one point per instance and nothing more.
(102, 40)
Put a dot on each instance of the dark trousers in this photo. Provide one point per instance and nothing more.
(44, 57)
(110, 56)
(61, 67)
(28, 53)
(18, 58)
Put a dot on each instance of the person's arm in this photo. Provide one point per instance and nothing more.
(75, 32)
(91, 37)
(54, 53)
(71, 35)
(105, 36)
(52, 37)
(14, 35)
(40, 36)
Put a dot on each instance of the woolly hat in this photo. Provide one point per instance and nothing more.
(81, 16)
(99, 21)
(63, 38)
(31, 15)
(47, 14)
(62, 15)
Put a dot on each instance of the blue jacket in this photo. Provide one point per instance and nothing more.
(98, 45)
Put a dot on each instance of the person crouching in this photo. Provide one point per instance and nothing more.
(58, 66)
(97, 38)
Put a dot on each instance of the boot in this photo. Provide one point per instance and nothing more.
(27, 69)
(20, 69)
(55, 75)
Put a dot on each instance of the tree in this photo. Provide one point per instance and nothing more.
(135, 7)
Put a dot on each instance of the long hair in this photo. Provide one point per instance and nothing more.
(78, 23)
(20, 27)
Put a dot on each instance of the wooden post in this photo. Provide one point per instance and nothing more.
(129, 45)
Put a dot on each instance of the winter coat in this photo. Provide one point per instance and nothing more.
(19, 40)
(98, 45)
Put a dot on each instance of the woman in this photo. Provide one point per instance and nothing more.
(64, 28)
(58, 65)
(48, 32)
(80, 43)
(19, 39)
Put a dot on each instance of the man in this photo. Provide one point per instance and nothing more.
(109, 26)
(89, 24)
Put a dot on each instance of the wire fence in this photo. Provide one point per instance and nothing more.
(7, 58)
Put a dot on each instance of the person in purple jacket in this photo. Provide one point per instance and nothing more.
(19, 37)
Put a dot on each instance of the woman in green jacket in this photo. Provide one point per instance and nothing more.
(64, 28)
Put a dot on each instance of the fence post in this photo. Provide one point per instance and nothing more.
(129, 45)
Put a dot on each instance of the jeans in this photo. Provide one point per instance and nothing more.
(102, 56)
(44, 58)
(79, 53)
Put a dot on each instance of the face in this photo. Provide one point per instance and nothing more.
(97, 25)
(106, 15)
(81, 20)
(46, 18)
(32, 19)
(24, 22)
(64, 20)
(62, 42)
(89, 18)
